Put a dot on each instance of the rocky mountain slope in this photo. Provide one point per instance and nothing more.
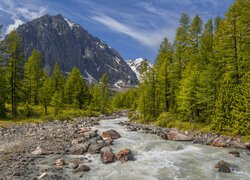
(136, 66)
(68, 44)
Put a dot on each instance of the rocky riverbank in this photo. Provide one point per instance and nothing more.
(67, 149)
(53, 150)
(197, 138)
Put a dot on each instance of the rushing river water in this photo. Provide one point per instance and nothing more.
(158, 159)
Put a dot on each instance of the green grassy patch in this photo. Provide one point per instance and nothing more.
(171, 121)
(35, 114)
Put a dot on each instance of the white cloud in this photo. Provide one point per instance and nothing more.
(20, 12)
(150, 38)
(11, 27)
(29, 14)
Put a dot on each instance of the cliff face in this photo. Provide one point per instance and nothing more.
(68, 44)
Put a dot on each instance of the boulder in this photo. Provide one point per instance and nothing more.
(39, 151)
(106, 135)
(73, 165)
(95, 147)
(163, 136)
(109, 141)
(60, 162)
(179, 147)
(125, 155)
(81, 168)
(222, 166)
(111, 134)
(218, 143)
(235, 153)
(247, 145)
(107, 155)
(176, 136)
(78, 149)
(226, 167)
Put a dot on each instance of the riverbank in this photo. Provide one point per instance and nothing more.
(29, 150)
(67, 149)
(212, 139)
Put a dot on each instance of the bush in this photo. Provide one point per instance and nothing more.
(165, 119)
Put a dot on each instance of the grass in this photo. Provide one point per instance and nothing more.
(171, 121)
(35, 114)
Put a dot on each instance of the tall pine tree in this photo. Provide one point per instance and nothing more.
(15, 68)
(3, 82)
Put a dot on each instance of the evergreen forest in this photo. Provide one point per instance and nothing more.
(201, 80)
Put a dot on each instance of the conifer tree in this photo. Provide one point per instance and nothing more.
(15, 68)
(164, 78)
(33, 77)
(58, 83)
(2, 81)
(46, 92)
(187, 99)
(57, 101)
(58, 79)
(76, 92)
(104, 92)
(182, 44)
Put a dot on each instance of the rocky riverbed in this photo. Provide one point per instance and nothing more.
(81, 148)
(50, 150)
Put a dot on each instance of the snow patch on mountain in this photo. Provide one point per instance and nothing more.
(136, 64)
(119, 84)
(89, 78)
(71, 24)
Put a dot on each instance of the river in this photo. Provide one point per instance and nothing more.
(158, 159)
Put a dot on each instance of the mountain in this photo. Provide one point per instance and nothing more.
(136, 66)
(68, 44)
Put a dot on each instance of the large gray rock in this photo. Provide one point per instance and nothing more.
(176, 136)
(111, 134)
(107, 155)
(125, 155)
(95, 147)
(68, 44)
(82, 167)
(78, 149)
(226, 167)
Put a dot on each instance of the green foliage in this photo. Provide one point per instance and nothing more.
(58, 79)
(15, 69)
(204, 77)
(3, 82)
(57, 101)
(100, 96)
(33, 77)
(76, 91)
(202, 81)
(46, 92)
(125, 100)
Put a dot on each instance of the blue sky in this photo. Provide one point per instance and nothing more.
(135, 28)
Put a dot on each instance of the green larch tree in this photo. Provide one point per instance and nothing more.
(33, 75)
(76, 91)
(15, 68)
(3, 81)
